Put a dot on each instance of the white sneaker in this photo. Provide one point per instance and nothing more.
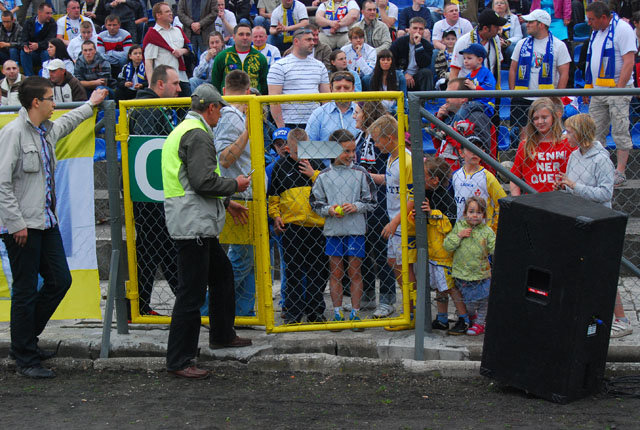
(383, 310)
(367, 305)
(620, 328)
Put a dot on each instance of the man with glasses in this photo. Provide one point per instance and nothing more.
(29, 224)
(333, 116)
(297, 74)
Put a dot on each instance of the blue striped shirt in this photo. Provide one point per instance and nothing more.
(49, 214)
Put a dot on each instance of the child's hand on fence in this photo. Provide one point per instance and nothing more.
(305, 168)
(389, 230)
(464, 233)
(426, 208)
(238, 212)
(562, 182)
(278, 225)
(349, 208)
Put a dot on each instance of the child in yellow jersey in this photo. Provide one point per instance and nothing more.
(439, 206)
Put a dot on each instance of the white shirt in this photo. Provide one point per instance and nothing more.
(173, 37)
(68, 65)
(392, 12)
(350, 5)
(298, 76)
(271, 53)
(72, 26)
(231, 20)
(463, 43)
(74, 49)
(624, 41)
(463, 26)
(299, 13)
(365, 63)
(560, 56)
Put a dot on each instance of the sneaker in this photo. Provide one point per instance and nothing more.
(337, 317)
(475, 330)
(438, 325)
(383, 310)
(459, 328)
(619, 179)
(347, 307)
(356, 317)
(620, 328)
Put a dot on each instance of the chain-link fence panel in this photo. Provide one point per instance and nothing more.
(588, 146)
(339, 182)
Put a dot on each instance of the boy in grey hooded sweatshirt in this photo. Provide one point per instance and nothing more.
(343, 193)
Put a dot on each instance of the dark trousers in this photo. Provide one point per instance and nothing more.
(30, 308)
(304, 257)
(155, 248)
(201, 262)
(375, 264)
(519, 115)
(424, 80)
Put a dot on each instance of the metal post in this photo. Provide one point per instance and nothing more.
(108, 311)
(115, 214)
(423, 298)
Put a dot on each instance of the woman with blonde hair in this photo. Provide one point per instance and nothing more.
(590, 174)
(544, 152)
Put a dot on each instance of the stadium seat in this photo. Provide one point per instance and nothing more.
(427, 143)
(581, 32)
(576, 53)
(635, 135)
(504, 140)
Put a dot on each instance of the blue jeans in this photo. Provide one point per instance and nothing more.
(26, 60)
(241, 257)
(13, 54)
(261, 20)
(195, 82)
(275, 241)
(31, 309)
(278, 42)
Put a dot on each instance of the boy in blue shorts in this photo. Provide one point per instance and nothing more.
(480, 77)
(343, 193)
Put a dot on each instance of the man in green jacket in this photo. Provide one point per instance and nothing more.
(241, 56)
(196, 196)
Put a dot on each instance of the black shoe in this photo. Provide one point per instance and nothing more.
(438, 325)
(36, 372)
(42, 354)
(316, 318)
(459, 328)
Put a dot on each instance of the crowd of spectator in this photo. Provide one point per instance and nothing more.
(294, 47)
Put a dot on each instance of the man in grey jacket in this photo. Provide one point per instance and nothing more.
(376, 33)
(194, 206)
(28, 216)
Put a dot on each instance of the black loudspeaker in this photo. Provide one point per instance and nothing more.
(553, 290)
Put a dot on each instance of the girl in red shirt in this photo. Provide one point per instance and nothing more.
(543, 154)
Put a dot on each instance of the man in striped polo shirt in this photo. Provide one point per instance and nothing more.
(297, 74)
(114, 44)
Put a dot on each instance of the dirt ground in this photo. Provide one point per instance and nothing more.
(238, 398)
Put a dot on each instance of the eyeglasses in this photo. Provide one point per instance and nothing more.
(46, 98)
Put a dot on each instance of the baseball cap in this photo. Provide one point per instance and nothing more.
(55, 64)
(449, 33)
(475, 49)
(281, 133)
(540, 16)
(489, 17)
(207, 94)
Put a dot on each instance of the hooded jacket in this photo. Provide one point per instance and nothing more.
(339, 184)
(593, 173)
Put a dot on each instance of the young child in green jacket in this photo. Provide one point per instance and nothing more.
(471, 242)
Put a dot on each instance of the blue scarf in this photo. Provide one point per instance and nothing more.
(607, 69)
(287, 20)
(128, 72)
(545, 79)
